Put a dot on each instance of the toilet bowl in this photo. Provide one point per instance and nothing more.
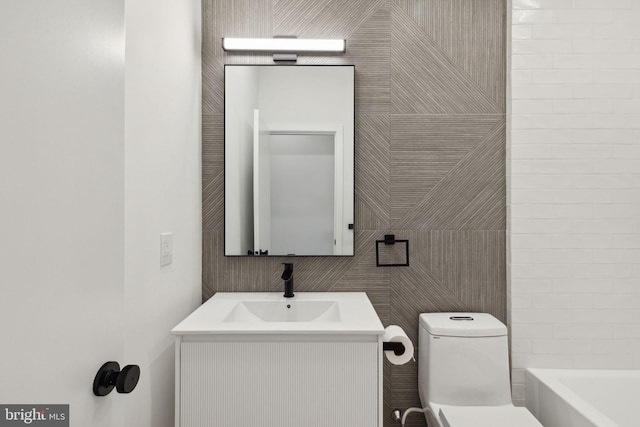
(463, 372)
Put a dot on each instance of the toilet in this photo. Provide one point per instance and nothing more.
(463, 372)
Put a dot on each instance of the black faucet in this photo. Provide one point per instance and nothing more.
(287, 276)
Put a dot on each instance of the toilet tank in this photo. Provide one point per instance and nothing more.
(463, 360)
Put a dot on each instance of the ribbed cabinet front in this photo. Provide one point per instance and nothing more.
(279, 384)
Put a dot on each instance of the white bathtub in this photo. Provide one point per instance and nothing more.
(584, 398)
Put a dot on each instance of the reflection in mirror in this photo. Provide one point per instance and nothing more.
(289, 156)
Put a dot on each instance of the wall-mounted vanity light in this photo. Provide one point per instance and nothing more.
(284, 45)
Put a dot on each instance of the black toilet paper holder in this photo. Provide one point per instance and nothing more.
(397, 347)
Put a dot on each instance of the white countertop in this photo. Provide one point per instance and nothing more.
(357, 315)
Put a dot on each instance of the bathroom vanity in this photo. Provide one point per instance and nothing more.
(262, 360)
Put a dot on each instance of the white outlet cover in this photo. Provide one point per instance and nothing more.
(166, 249)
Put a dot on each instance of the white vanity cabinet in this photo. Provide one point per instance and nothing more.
(281, 376)
(287, 381)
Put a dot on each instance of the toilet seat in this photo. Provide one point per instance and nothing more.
(487, 416)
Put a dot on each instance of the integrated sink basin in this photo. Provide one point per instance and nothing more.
(271, 313)
(284, 311)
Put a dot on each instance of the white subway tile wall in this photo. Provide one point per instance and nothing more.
(574, 190)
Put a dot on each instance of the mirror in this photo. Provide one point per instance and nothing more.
(289, 158)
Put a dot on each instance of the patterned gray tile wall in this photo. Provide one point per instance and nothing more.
(430, 156)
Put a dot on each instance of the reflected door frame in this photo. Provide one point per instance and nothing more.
(337, 131)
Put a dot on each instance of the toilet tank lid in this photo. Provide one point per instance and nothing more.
(462, 324)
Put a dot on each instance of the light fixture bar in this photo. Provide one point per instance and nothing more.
(284, 45)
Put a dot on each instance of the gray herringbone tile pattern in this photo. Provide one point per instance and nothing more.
(424, 80)
(470, 33)
(429, 149)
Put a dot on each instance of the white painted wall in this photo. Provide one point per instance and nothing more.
(81, 211)
(243, 83)
(575, 185)
(302, 207)
(162, 194)
(61, 203)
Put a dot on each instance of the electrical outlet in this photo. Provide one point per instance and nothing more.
(166, 249)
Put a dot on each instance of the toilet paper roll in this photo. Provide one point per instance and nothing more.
(394, 333)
